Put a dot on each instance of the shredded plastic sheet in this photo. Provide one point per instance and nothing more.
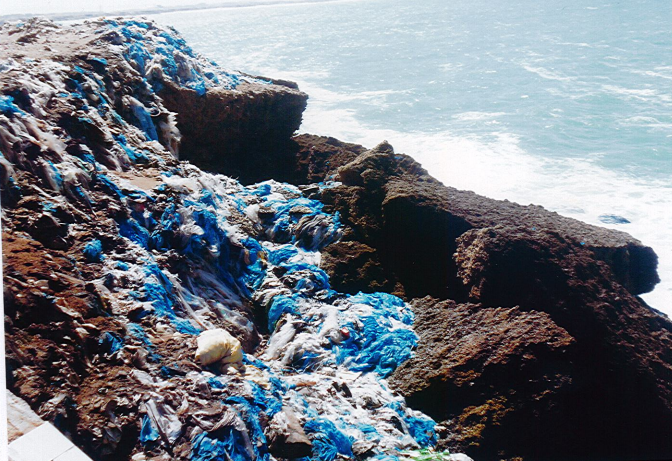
(8, 107)
(328, 441)
(164, 420)
(224, 444)
(314, 328)
(162, 55)
(317, 333)
(286, 216)
(148, 431)
(93, 251)
(110, 342)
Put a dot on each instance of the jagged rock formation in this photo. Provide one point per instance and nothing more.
(529, 340)
(489, 371)
(239, 132)
(391, 200)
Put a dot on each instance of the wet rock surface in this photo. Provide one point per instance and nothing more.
(117, 255)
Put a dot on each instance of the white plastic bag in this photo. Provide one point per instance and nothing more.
(218, 345)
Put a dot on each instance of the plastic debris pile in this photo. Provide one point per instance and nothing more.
(160, 54)
(89, 169)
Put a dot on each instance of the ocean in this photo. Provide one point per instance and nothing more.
(567, 105)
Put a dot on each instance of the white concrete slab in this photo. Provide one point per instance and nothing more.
(73, 454)
(45, 443)
(21, 419)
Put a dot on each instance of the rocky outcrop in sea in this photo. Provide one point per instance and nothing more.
(368, 311)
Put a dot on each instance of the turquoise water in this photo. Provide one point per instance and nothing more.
(567, 105)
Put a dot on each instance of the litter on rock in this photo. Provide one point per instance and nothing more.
(218, 345)
(190, 271)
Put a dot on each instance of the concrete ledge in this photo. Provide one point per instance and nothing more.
(32, 439)
(21, 419)
(45, 443)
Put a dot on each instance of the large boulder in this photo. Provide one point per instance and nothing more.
(242, 132)
(489, 373)
(579, 368)
(394, 205)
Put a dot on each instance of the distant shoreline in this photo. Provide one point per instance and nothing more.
(71, 16)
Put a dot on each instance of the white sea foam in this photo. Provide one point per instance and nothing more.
(450, 67)
(650, 73)
(547, 73)
(582, 44)
(474, 115)
(642, 94)
(649, 122)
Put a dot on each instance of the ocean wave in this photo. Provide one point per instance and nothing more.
(475, 115)
(642, 94)
(650, 73)
(649, 122)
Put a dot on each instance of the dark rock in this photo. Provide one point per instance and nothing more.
(355, 267)
(418, 234)
(274, 81)
(287, 438)
(242, 132)
(612, 219)
(49, 231)
(393, 205)
(580, 369)
(488, 370)
(633, 263)
(318, 157)
(408, 230)
(376, 166)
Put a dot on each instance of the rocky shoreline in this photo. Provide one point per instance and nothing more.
(149, 195)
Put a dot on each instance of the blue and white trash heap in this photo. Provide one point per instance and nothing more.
(160, 54)
(172, 251)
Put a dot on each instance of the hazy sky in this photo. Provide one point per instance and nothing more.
(103, 6)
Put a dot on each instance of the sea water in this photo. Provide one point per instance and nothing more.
(567, 104)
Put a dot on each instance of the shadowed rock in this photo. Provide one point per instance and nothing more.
(487, 370)
(392, 203)
(579, 369)
(242, 132)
